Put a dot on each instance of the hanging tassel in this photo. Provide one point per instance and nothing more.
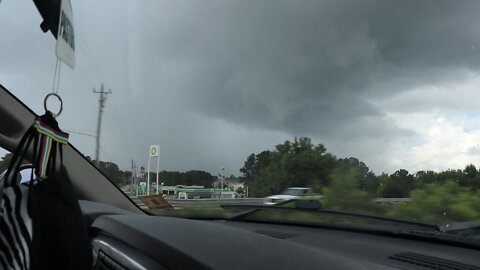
(48, 130)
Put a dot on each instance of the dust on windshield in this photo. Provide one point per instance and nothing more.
(293, 192)
(370, 105)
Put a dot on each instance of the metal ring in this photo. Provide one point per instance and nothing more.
(61, 103)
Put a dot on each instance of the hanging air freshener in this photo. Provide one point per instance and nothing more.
(41, 220)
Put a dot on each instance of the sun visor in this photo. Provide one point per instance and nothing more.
(50, 12)
(58, 19)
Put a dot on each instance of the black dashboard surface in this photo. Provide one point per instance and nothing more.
(185, 244)
(92, 210)
(177, 243)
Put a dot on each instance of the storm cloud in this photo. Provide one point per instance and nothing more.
(212, 81)
(308, 66)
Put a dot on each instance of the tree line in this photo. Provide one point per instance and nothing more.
(188, 178)
(348, 183)
(301, 163)
(123, 177)
(168, 178)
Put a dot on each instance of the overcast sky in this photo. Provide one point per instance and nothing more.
(393, 83)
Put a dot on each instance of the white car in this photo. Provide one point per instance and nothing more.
(288, 194)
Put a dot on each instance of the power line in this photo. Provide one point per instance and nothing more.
(107, 155)
(120, 126)
(80, 133)
(86, 77)
(95, 65)
(92, 61)
(90, 56)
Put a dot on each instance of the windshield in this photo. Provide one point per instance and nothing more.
(373, 104)
(293, 192)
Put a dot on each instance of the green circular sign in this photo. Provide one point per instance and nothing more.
(153, 151)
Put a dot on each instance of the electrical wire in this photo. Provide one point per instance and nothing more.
(120, 126)
(80, 133)
(91, 58)
(86, 77)
(55, 75)
(94, 64)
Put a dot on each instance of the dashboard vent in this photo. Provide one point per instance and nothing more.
(431, 262)
(104, 262)
(279, 235)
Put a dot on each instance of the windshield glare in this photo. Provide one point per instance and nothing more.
(294, 192)
(371, 103)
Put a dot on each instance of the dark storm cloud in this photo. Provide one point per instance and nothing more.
(212, 81)
(426, 34)
(305, 66)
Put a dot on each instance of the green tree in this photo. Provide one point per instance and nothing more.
(470, 177)
(113, 172)
(399, 185)
(344, 193)
(254, 164)
(240, 190)
(450, 175)
(192, 177)
(382, 180)
(440, 202)
(426, 177)
(298, 163)
(368, 181)
(470, 171)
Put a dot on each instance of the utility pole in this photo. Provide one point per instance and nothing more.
(101, 101)
(222, 179)
(133, 177)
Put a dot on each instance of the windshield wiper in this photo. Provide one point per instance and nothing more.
(315, 207)
(465, 228)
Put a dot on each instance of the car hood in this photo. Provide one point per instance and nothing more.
(282, 197)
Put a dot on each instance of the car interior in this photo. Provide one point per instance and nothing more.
(123, 236)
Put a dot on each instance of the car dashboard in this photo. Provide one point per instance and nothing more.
(127, 241)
